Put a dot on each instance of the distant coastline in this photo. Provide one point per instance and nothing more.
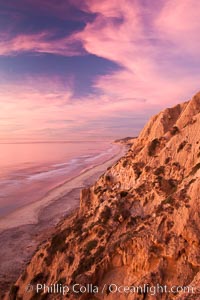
(34, 222)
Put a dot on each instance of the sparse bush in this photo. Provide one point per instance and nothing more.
(152, 147)
(39, 278)
(159, 209)
(91, 245)
(132, 222)
(173, 185)
(116, 217)
(170, 224)
(123, 194)
(78, 225)
(154, 249)
(137, 167)
(174, 130)
(105, 214)
(160, 170)
(125, 163)
(167, 160)
(168, 200)
(140, 189)
(98, 254)
(61, 281)
(101, 232)
(84, 266)
(98, 189)
(195, 169)
(58, 242)
(13, 292)
(147, 168)
(108, 178)
(70, 259)
(125, 214)
(176, 164)
(181, 146)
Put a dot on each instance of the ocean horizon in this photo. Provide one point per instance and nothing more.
(30, 170)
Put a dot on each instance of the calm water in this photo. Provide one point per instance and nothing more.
(29, 171)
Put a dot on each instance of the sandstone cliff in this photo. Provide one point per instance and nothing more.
(139, 223)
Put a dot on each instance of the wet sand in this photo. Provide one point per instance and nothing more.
(22, 231)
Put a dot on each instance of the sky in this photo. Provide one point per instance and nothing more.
(90, 69)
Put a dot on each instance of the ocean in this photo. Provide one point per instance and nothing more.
(28, 171)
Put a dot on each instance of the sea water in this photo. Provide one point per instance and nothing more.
(29, 170)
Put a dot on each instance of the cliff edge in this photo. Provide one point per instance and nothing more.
(138, 224)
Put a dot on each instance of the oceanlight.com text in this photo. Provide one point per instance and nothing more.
(110, 288)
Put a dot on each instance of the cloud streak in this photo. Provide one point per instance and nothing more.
(151, 47)
(54, 113)
(155, 45)
(43, 42)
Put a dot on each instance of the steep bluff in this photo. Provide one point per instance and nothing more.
(138, 224)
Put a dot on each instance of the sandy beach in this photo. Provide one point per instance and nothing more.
(22, 231)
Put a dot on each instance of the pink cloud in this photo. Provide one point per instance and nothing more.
(145, 42)
(179, 23)
(151, 45)
(50, 111)
(43, 42)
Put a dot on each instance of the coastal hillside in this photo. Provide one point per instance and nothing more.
(138, 224)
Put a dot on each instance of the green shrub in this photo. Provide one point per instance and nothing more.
(174, 130)
(13, 292)
(101, 232)
(132, 222)
(160, 170)
(123, 194)
(152, 147)
(98, 189)
(91, 245)
(58, 242)
(125, 214)
(84, 266)
(173, 185)
(176, 164)
(70, 259)
(137, 167)
(98, 256)
(125, 163)
(105, 214)
(108, 178)
(181, 146)
(61, 281)
(167, 160)
(78, 225)
(168, 200)
(195, 169)
(57, 245)
(39, 278)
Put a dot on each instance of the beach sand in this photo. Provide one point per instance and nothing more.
(22, 231)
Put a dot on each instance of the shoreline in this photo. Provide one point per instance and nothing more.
(22, 231)
(28, 214)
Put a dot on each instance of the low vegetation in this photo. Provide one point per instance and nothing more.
(90, 246)
(174, 130)
(159, 170)
(181, 146)
(105, 214)
(195, 169)
(153, 146)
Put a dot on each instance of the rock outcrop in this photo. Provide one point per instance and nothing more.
(138, 224)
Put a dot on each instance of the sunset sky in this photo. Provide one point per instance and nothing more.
(91, 69)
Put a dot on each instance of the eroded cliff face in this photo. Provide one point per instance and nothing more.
(138, 224)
